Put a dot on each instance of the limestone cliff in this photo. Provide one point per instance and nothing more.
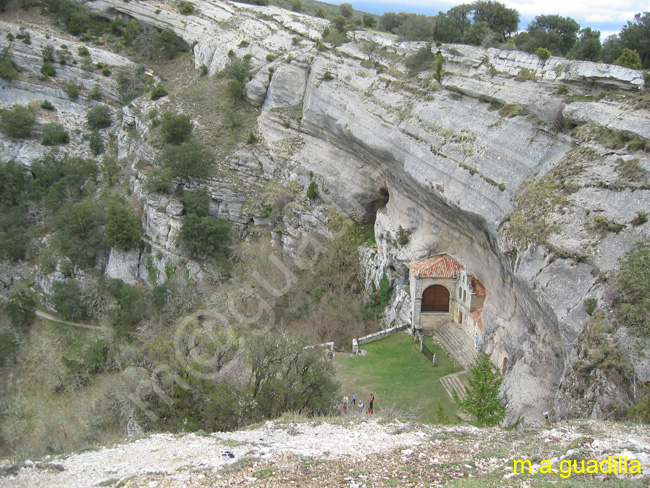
(448, 161)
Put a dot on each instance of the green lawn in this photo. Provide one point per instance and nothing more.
(399, 376)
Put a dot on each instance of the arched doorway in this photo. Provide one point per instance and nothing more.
(435, 299)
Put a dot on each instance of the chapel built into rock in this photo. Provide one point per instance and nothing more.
(443, 289)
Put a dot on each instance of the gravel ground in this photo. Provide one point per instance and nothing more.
(352, 453)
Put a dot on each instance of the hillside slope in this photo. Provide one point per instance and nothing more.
(346, 452)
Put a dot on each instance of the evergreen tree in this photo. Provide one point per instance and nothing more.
(482, 402)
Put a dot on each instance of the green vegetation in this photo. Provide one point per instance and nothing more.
(169, 43)
(8, 69)
(96, 143)
(158, 92)
(47, 105)
(526, 75)
(483, 402)
(188, 159)
(590, 305)
(122, 227)
(72, 90)
(176, 128)
(510, 110)
(312, 190)
(420, 61)
(67, 300)
(634, 289)
(629, 59)
(543, 53)
(99, 117)
(594, 132)
(202, 234)
(400, 377)
(17, 121)
(54, 134)
(602, 224)
(47, 69)
(542, 196)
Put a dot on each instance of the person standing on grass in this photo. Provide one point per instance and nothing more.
(354, 399)
(360, 407)
(372, 400)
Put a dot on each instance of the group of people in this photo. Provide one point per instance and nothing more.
(359, 405)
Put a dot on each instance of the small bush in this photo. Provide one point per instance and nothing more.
(158, 92)
(252, 138)
(122, 228)
(18, 121)
(189, 159)
(187, 8)
(633, 302)
(106, 72)
(631, 170)
(54, 134)
(312, 190)
(159, 180)
(96, 143)
(99, 117)
(21, 308)
(95, 94)
(543, 53)
(8, 69)
(602, 224)
(511, 110)
(72, 90)
(203, 70)
(640, 219)
(47, 69)
(590, 305)
(327, 76)
(169, 43)
(66, 299)
(420, 61)
(47, 105)
(176, 128)
(562, 90)
(83, 51)
(629, 59)
(526, 75)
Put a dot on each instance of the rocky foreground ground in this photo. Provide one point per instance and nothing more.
(369, 452)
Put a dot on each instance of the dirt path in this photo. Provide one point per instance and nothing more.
(47, 316)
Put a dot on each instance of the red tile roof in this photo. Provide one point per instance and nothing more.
(442, 266)
(477, 286)
(477, 315)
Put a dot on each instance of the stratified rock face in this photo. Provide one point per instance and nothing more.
(453, 162)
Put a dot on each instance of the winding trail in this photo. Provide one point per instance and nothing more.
(47, 316)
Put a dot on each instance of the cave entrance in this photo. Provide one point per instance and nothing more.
(435, 299)
(378, 201)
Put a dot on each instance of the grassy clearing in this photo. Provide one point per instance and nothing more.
(399, 377)
(220, 122)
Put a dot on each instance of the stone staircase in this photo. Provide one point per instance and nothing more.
(457, 343)
(461, 349)
(455, 382)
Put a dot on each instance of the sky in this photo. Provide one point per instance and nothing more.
(607, 16)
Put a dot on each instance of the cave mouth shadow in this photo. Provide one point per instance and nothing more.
(373, 204)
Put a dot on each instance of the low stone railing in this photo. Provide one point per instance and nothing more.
(375, 336)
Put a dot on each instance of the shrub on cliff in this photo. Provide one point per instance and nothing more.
(99, 117)
(122, 228)
(190, 159)
(634, 289)
(176, 128)
(17, 121)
